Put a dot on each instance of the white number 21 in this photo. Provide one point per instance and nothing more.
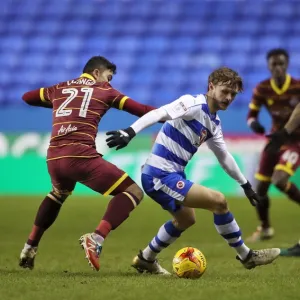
(63, 112)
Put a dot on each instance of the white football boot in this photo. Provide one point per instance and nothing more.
(27, 257)
(143, 265)
(261, 257)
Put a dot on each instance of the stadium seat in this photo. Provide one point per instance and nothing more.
(154, 43)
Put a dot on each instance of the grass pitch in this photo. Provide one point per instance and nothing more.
(61, 271)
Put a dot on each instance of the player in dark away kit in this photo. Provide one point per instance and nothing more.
(279, 94)
(78, 106)
(277, 139)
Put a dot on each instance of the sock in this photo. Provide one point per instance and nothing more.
(167, 234)
(228, 228)
(117, 212)
(98, 238)
(262, 209)
(293, 192)
(26, 247)
(46, 215)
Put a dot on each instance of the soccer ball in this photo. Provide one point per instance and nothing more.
(189, 262)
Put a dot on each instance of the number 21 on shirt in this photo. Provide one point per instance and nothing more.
(62, 111)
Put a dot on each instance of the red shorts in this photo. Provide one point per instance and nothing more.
(96, 173)
(287, 160)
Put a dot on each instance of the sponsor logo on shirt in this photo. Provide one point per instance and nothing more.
(65, 130)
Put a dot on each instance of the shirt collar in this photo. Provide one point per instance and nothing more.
(89, 76)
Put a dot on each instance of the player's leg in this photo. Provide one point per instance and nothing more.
(263, 180)
(126, 197)
(164, 191)
(168, 233)
(288, 164)
(292, 251)
(47, 213)
(105, 178)
(202, 197)
(183, 218)
(264, 231)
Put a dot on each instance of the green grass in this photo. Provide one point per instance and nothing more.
(62, 272)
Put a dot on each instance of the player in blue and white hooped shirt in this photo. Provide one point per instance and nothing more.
(191, 121)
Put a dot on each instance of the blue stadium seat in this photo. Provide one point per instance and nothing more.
(162, 48)
(268, 42)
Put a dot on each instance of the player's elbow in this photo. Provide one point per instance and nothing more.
(27, 99)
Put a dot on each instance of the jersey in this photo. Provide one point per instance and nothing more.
(279, 102)
(78, 106)
(180, 138)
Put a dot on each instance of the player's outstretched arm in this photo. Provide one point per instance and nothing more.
(121, 138)
(278, 138)
(36, 98)
(176, 109)
(228, 163)
(136, 108)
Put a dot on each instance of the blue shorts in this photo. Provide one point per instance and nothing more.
(168, 191)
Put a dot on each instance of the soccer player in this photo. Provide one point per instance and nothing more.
(78, 106)
(277, 139)
(191, 121)
(279, 95)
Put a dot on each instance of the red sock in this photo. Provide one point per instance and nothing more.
(117, 212)
(103, 228)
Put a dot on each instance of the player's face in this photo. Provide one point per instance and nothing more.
(223, 95)
(278, 65)
(103, 75)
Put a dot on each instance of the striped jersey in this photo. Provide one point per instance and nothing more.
(179, 139)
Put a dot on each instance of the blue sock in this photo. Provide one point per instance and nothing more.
(167, 234)
(228, 228)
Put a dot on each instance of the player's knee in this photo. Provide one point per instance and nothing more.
(136, 191)
(221, 203)
(280, 183)
(185, 223)
(58, 197)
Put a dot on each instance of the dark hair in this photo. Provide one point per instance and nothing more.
(226, 76)
(99, 62)
(277, 51)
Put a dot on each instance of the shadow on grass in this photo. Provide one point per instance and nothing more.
(79, 275)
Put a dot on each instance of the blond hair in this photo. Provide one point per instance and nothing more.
(226, 76)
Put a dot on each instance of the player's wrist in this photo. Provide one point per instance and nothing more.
(246, 186)
(130, 131)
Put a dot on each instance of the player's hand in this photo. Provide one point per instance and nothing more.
(120, 138)
(250, 194)
(257, 127)
(277, 139)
